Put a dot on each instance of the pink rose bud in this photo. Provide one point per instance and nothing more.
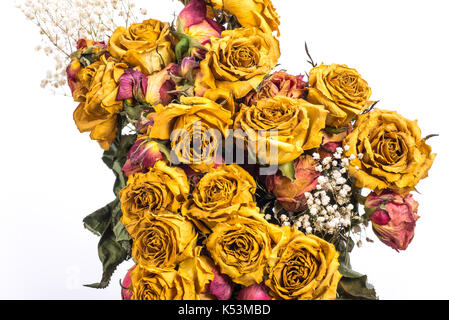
(132, 84)
(254, 292)
(188, 68)
(126, 293)
(194, 22)
(221, 287)
(290, 193)
(142, 156)
(393, 217)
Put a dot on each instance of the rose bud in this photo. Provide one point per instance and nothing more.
(142, 156)
(189, 66)
(161, 85)
(254, 292)
(221, 287)
(194, 22)
(279, 84)
(393, 217)
(126, 292)
(133, 84)
(290, 193)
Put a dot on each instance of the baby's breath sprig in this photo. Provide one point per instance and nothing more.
(62, 23)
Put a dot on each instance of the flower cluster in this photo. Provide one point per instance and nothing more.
(233, 180)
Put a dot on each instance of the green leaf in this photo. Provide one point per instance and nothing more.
(98, 221)
(347, 272)
(182, 48)
(356, 288)
(115, 244)
(111, 254)
(288, 170)
(333, 130)
(134, 112)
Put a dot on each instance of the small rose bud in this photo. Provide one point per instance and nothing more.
(125, 284)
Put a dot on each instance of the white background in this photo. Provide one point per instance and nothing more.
(52, 176)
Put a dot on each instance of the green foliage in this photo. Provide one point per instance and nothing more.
(288, 170)
(115, 243)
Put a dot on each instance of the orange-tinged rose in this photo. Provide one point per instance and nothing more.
(97, 93)
(145, 45)
(163, 239)
(306, 268)
(290, 194)
(219, 194)
(242, 246)
(286, 126)
(238, 61)
(394, 156)
(341, 90)
(161, 188)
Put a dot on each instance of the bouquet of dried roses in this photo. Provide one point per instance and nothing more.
(233, 180)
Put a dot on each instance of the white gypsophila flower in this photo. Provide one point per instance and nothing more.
(316, 156)
(62, 23)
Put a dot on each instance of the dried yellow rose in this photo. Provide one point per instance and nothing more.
(145, 45)
(306, 268)
(238, 61)
(219, 194)
(393, 154)
(341, 90)
(97, 91)
(296, 123)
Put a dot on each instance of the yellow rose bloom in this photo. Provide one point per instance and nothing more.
(194, 120)
(219, 194)
(251, 13)
(394, 154)
(238, 61)
(97, 92)
(341, 90)
(145, 45)
(162, 240)
(162, 188)
(296, 122)
(186, 283)
(306, 268)
(242, 246)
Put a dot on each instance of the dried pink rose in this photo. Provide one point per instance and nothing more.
(142, 156)
(132, 84)
(393, 217)
(290, 193)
